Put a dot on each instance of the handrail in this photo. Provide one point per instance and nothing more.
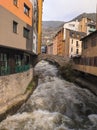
(7, 70)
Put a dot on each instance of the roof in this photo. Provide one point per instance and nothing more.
(91, 23)
(91, 34)
(82, 34)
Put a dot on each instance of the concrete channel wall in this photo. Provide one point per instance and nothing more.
(12, 86)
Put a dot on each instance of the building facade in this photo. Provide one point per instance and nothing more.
(19, 29)
(72, 25)
(73, 44)
(50, 49)
(87, 63)
(35, 26)
(58, 43)
(55, 39)
(87, 25)
(40, 5)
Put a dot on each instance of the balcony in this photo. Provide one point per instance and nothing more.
(92, 30)
(7, 70)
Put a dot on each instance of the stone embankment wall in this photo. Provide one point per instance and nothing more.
(12, 86)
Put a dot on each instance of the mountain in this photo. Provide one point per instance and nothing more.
(52, 24)
(88, 15)
(50, 28)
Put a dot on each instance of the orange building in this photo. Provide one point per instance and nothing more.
(16, 35)
(55, 45)
(19, 8)
(50, 49)
(58, 43)
(40, 4)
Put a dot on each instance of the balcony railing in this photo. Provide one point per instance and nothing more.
(17, 69)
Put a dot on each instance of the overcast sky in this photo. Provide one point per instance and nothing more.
(65, 10)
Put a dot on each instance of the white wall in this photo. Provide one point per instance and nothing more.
(72, 44)
(73, 25)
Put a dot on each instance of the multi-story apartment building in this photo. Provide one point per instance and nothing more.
(50, 49)
(19, 24)
(91, 27)
(40, 2)
(87, 25)
(73, 45)
(88, 61)
(35, 26)
(72, 25)
(58, 43)
(55, 43)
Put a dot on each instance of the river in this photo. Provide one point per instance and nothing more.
(56, 104)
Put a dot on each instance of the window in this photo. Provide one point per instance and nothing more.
(3, 64)
(18, 60)
(26, 9)
(78, 35)
(15, 2)
(26, 33)
(72, 34)
(76, 43)
(15, 25)
(71, 49)
(77, 51)
(85, 44)
(72, 41)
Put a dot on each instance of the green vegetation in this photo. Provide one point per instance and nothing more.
(32, 84)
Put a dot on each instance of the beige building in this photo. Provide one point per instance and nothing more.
(88, 61)
(73, 45)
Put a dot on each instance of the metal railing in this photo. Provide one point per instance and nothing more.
(22, 68)
(17, 69)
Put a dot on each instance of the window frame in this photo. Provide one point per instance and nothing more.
(26, 32)
(15, 2)
(15, 27)
(26, 9)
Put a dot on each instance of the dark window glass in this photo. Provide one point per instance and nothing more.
(26, 33)
(15, 2)
(95, 61)
(26, 9)
(15, 25)
(76, 43)
(77, 51)
(71, 49)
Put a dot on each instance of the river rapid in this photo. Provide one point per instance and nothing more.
(56, 104)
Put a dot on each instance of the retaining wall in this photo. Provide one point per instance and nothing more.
(11, 86)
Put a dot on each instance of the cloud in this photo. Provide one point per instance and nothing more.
(67, 9)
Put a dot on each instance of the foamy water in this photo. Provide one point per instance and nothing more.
(55, 105)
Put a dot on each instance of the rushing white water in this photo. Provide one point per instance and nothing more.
(55, 105)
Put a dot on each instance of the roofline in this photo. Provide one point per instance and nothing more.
(89, 35)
